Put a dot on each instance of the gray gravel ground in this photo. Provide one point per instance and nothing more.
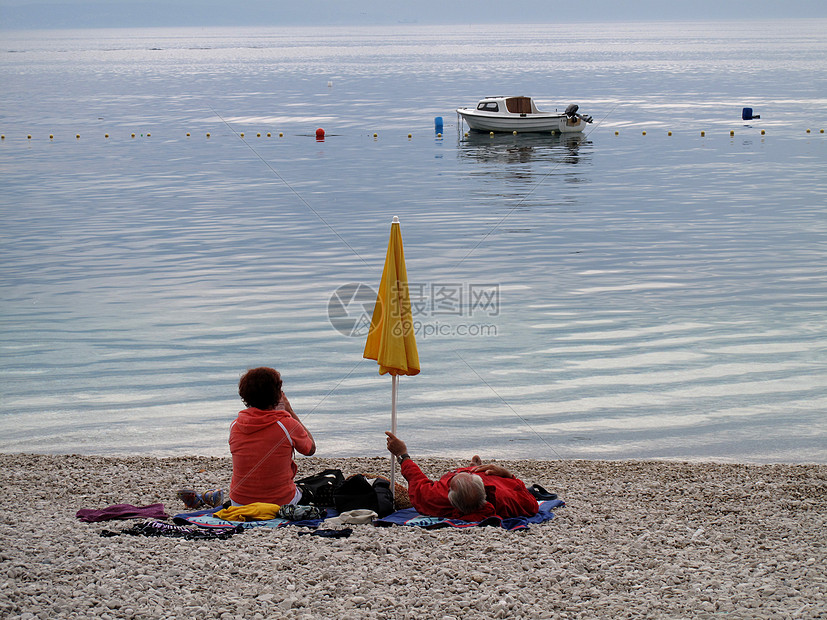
(637, 539)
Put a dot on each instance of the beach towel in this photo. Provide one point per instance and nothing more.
(165, 530)
(410, 517)
(122, 511)
(407, 516)
(207, 519)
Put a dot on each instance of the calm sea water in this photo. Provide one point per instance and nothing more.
(620, 295)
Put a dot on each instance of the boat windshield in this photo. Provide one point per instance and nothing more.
(488, 106)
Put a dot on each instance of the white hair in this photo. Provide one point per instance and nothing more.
(467, 492)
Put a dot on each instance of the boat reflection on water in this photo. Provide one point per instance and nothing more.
(523, 148)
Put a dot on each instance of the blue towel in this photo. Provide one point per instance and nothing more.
(410, 516)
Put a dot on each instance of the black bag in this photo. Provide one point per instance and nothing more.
(356, 492)
(318, 489)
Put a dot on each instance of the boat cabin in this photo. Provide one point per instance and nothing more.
(513, 105)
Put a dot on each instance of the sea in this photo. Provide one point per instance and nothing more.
(654, 288)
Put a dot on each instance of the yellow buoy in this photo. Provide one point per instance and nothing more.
(491, 134)
(148, 134)
(268, 134)
(439, 135)
(808, 131)
(106, 135)
(258, 135)
(409, 136)
(208, 135)
(242, 135)
(617, 133)
(668, 133)
(29, 136)
(466, 134)
(763, 132)
(281, 135)
(731, 133)
(51, 137)
(133, 135)
(188, 134)
(514, 132)
(376, 135)
(77, 135)
(644, 133)
(703, 133)
(3, 137)
(820, 131)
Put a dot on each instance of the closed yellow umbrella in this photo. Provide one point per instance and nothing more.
(391, 340)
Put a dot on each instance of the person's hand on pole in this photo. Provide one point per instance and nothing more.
(396, 446)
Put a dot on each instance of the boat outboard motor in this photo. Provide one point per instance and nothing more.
(747, 115)
(571, 112)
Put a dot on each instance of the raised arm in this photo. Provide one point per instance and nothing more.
(284, 404)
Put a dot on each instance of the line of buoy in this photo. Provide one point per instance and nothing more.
(321, 133)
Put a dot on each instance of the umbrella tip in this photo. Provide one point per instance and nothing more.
(395, 219)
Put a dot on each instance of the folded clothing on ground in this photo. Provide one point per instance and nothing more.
(257, 511)
(122, 511)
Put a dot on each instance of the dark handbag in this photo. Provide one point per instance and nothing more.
(319, 489)
(356, 493)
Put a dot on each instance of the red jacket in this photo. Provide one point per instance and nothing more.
(507, 497)
(263, 467)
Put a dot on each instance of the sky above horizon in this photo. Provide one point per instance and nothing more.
(25, 14)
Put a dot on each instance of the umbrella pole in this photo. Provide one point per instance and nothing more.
(394, 387)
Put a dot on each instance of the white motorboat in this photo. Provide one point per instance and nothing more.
(520, 114)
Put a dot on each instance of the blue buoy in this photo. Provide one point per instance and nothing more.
(438, 124)
(747, 115)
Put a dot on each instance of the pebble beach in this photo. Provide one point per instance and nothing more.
(636, 539)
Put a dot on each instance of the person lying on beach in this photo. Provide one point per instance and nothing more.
(470, 493)
(262, 441)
